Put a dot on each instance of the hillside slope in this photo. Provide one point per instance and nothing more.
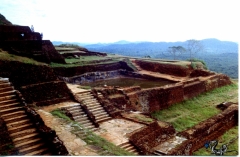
(4, 21)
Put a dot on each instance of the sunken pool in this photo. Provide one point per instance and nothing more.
(128, 81)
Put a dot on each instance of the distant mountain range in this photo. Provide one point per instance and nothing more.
(140, 49)
(220, 56)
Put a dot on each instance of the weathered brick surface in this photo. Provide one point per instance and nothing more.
(207, 130)
(164, 68)
(46, 93)
(152, 135)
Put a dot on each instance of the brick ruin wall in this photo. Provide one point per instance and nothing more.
(20, 40)
(152, 99)
(164, 68)
(76, 71)
(37, 83)
(49, 50)
(152, 135)
(207, 130)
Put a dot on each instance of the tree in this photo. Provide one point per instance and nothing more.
(194, 46)
(176, 51)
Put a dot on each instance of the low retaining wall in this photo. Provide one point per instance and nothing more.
(152, 135)
(37, 83)
(153, 99)
(170, 69)
(75, 71)
(207, 130)
(46, 93)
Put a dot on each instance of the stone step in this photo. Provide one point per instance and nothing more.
(5, 84)
(83, 92)
(6, 89)
(129, 147)
(99, 114)
(23, 132)
(10, 110)
(77, 112)
(74, 108)
(82, 97)
(100, 120)
(89, 101)
(13, 105)
(4, 98)
(81, 118)
(18, 123)
(18, 117)
(96, 109)
(93, 104)
(29, 143)
(43, 151)
(10, 114)
(8, 93)
(20, 128)
(20, 139)
(90, 127)
(6, 102)
(158, 153)
(31, 149)
(102, 116)
(31, 137)
(85, 123)
(100, 111)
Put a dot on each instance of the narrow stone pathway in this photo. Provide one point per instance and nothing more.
(64, 130)
(23, 133)
(93, 105)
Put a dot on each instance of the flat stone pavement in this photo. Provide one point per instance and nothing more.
(75, 88)
(117, 130)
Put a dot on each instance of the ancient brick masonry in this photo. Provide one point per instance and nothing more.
(37, 83)
(207, 130)
(162, 97)
(21, 40)
(152, 135)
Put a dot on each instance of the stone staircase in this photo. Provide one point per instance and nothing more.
(129, 147)
(80, 117)
(93, 105)
(23, 133)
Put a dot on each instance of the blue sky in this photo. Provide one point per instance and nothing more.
(92, 21)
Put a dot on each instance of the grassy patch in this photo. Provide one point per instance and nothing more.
(143, 118)
(106, 147)
(189, 113)
(11, 57)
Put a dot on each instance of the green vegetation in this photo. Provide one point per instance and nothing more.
(194, 63)
(71, 46)
(129, 63)
(11, 57)
(85, 59)
(143, 118)
(106, 148)
(224, 139)
(189, 113)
